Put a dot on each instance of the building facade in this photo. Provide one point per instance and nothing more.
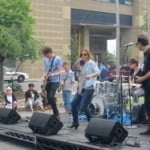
(85, 23)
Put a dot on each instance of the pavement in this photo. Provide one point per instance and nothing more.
(9, 144)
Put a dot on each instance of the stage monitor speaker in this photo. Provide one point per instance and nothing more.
(9, 116)
(105, 131)
(45, 124)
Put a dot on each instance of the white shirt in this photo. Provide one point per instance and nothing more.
(10, 100)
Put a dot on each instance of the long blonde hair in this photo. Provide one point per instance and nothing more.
(89, 54)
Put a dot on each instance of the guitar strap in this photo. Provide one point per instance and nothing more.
(51, 65)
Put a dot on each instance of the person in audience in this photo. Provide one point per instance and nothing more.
(67, 81)
(32, 98)
(10, 99)
(103, 72)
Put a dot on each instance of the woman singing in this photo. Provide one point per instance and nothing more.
(87, 78)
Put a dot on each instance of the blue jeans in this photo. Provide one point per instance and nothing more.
(81, 103)
(67, 98)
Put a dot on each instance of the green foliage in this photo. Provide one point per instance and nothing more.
(74, 47)
(110, 58)
(144, 27)
(16, 33)
(15, 86)
(9, 45)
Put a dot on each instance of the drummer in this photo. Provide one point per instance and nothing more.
(136, 71)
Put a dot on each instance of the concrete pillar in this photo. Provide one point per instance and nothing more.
(86, 38)
(127, 36)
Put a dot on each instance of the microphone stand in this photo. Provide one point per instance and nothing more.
(121, 98)
(12, 78)
(131, 126)
(130, 102)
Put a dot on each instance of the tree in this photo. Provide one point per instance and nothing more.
(16, 33)
(110, 58)
(74, 48)
(144, 27)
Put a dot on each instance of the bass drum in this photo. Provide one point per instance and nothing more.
(97, 106)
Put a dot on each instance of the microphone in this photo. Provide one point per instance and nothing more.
(129, 44)
(77, 62)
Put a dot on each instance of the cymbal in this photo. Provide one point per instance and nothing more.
(135, 85)
(126, 85)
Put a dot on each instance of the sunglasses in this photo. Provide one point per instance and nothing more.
(83, 54)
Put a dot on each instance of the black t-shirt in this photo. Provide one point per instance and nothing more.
(136, 74)
(146, 67)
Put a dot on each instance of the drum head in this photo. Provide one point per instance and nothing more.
(97, 106)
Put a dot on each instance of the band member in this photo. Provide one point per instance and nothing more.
(136, 71)
(87, 78)
(10, 99)
(143, 45)
(53, 68)
(44, 97)
(67, 82)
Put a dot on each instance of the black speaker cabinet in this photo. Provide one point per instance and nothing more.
(45, 124)
(105, 131)
(9, 116)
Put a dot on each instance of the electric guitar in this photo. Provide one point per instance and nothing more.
(48, 76)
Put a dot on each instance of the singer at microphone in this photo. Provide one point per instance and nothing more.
(87, 79)
(80, 62)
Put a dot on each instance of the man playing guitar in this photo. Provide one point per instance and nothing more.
(53, 69)
(143, 45)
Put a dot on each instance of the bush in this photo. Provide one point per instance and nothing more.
(15, 86)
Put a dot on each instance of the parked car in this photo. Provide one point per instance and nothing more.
(10, 74)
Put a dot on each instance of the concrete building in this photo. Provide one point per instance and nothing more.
(91, 22)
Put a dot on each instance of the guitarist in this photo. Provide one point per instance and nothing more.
(143, 45)
(53, 69)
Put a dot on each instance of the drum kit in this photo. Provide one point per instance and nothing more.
(108, 97)
(105, 94)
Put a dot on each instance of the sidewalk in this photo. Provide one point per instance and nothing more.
(27, 113)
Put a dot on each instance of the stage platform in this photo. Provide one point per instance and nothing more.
(70, 139)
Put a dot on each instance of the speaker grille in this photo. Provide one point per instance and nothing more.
(9, 116)
(105, 131)
(45, 124)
